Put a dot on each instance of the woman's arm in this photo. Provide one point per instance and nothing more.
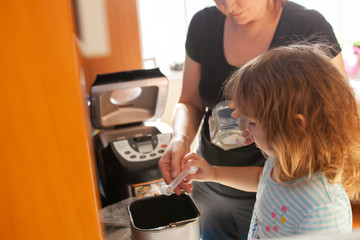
(186, 120)
(339, 63)
(190, 109)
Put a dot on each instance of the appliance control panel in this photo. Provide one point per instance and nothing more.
(142, 148)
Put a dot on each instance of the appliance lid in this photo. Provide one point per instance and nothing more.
(127, 97)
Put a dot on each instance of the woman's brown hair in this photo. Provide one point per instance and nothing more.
(300, 79)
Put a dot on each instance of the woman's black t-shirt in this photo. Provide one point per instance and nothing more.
(204, 43)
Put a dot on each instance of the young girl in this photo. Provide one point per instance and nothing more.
(303, 115)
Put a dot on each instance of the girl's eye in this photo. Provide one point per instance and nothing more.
(253, 124)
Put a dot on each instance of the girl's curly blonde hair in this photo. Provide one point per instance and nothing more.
(300, 79)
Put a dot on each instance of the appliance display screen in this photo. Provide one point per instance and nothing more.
(145, 147)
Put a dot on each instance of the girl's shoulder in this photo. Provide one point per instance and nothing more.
(302, 206)
(316, 190)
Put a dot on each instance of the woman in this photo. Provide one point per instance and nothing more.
(221, 39)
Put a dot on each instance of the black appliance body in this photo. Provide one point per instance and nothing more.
(130, 140)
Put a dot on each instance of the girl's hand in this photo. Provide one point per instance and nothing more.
(243, 121)
(205, 171)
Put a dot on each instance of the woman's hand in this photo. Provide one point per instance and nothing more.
(171, 161)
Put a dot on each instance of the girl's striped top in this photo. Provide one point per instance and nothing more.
(302, 206)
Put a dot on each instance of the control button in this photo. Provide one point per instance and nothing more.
(152, 154)
(163, 145)
(142, 156)
(133, 156)
(127, 152)
(161, 151)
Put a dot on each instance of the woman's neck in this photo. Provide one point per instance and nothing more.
(243, 42)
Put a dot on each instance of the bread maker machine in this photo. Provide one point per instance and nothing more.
(130, 139)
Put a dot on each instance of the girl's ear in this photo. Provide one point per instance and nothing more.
(301, 120)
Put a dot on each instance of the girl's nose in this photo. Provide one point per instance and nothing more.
(248, 126)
